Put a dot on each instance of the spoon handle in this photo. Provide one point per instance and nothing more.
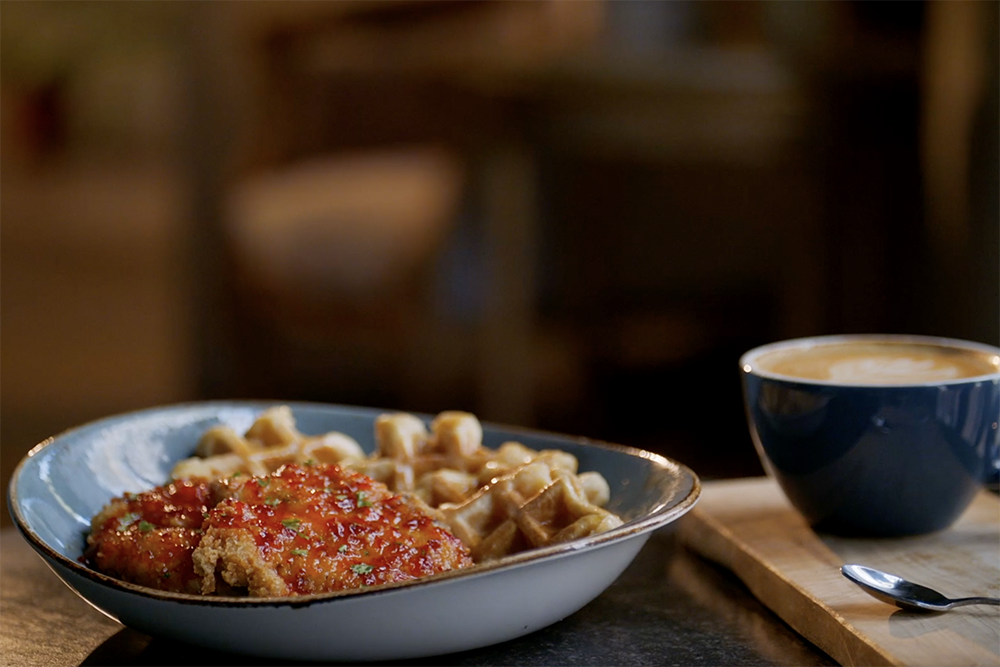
(964, 601)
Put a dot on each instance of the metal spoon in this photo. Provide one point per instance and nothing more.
(905, 594)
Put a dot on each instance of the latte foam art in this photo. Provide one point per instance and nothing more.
(865, 362)
(891, 370)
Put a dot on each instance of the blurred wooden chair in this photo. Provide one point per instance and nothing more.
(337, 144)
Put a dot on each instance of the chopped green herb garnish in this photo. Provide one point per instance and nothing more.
(236, 474)
(291, 523)
(361, 500)
(145, 526)
(341, 496)
(309, 462)
(342, 548)
(127, 520)
(263, 482)
(362, 568)
(300, 552)
(273, 502)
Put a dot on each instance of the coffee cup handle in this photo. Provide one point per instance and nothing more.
(993, 479)
(992, 437)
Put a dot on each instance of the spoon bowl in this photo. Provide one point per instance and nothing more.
(905, 594)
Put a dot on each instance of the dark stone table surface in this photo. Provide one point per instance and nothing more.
(670, 607)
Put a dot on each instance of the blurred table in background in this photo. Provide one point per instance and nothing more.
(375, 79)
(647, 189)
(600, 275)
(96, 305)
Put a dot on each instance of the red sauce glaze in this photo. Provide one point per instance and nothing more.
(147, 538)
(321, 528)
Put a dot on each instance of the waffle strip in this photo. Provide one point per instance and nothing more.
(496, 501)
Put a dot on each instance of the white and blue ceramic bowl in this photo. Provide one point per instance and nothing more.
(65, 480)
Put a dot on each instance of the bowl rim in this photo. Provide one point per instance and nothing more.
(660, 516)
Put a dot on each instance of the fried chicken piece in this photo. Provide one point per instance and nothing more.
(316, 529)
(149, 538)
(302, 529)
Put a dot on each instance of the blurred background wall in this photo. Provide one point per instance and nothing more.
(567, 215)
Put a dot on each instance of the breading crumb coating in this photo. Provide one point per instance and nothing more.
(148, 538)
(302, 529)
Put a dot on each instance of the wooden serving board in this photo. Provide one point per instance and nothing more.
(748, 526)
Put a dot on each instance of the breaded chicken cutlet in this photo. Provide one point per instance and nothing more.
(315, 529)
(300, 530)
(148, 538)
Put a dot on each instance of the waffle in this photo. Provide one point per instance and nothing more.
(437, 466)
(447, 464)
(536, 505)
(271, 442)
(496, 501)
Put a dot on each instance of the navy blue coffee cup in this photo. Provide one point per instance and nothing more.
(882, 445)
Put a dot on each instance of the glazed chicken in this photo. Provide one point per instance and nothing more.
(148, 538)
(302, 529)
(315, 529)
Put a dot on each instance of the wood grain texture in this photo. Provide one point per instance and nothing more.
(748, 526)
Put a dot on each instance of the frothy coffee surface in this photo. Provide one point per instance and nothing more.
(878, 363)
